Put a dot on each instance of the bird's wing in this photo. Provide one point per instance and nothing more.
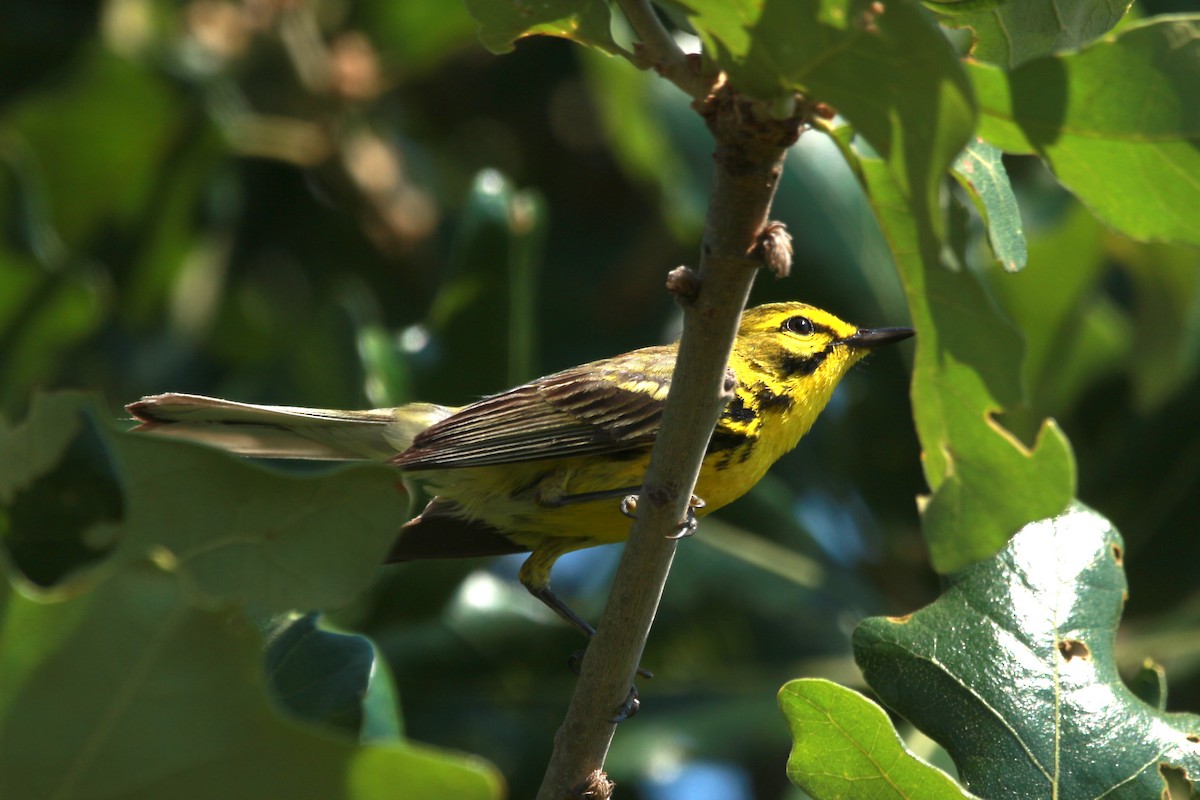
(604, 407)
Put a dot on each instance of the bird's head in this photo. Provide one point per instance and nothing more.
(802, 346)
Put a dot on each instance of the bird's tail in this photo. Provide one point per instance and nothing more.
(286, 431)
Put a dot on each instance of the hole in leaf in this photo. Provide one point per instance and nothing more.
(1073, 648)
(1177, 787)
(1118, 555)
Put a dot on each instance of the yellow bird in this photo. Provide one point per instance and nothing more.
(543, 467)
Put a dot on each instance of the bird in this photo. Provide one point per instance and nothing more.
(554, 465)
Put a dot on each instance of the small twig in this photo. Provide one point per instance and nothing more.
(659, 51)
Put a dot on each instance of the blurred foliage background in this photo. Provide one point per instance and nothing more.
(353, 204)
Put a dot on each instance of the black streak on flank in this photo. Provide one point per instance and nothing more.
(731, 446)
(724, 441)
(803, 365)
(736, 411)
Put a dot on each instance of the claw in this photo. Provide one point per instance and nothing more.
(628, 708)
(689, 524)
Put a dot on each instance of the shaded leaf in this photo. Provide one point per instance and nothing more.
(1012, 671)
(981, 171)
(327, 678)
(502, 22)
(1015, 31)
(844, 746)
(1118, 122)
(1072, 335)
(240, 533)
(166, 700)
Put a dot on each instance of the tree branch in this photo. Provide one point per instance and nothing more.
(750, 147)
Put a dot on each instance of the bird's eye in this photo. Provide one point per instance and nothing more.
(800, 325)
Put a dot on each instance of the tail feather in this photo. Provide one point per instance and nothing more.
(286, 431)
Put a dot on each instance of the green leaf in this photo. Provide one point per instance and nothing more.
(240, 533)
(1015, 31)
(1012, 671)
(128, 690)
(981, 171)
(502, 22)
(844, 747)
(986, 483)
(1072, 334)
(325, 677)
(1118, 122)
(892, 74)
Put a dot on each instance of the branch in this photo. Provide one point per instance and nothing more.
(750, 147)
(657, 50)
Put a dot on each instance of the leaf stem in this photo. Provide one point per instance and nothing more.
(659, 51)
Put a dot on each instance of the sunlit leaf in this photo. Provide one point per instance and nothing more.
(503, 22)
(844, 747)
(1118, 122)
(1014, 31)
(980, 168)
(1012, 671)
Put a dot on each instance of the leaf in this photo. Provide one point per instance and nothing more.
(844, 747)
(128, 690)
(502, 22)
(981, 171)
(986, 483)
(326, 678)
(1012, 671)
(1118, 122)
(1016, 31)
(891, 73)
(240, 533)
(1072, 335)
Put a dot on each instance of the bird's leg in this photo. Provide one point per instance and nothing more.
(535, 577)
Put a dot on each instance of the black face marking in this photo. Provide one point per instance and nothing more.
(803, 365)
(768, 400)
(736, 411)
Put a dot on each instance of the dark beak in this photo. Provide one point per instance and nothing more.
(870, 338)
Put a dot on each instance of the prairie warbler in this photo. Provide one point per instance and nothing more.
(544, 467)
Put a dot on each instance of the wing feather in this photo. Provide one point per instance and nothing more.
(603, 407)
